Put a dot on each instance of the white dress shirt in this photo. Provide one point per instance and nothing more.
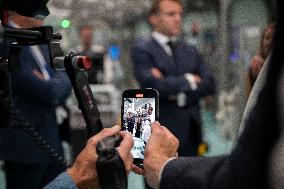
(162, 40)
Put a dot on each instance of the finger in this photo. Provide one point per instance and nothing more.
(105, 133)
(38, 74)
(127, 142)
(165, 129)
(137, 170)
(130, 157)
(176, 154)
(109, 131)
(170, 135)
(156, 127)
(128, 163)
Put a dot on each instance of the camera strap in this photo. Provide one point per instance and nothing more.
(110, 167)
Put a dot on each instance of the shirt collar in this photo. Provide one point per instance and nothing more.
(162, 39)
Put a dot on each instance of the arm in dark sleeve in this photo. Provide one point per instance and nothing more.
(143, 62)
(193, 173)
(206, 87)
(246, 167)
(237, 170)
(49, 92)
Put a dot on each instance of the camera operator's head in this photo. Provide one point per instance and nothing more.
(23, 21)
(29, 8)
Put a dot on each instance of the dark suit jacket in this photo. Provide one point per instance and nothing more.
(183, 122)
(35, 100)
(246, 167)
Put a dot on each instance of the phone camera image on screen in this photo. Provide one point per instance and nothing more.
(138, 114)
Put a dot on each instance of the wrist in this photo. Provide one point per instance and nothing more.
(162, 168)
(153, 169)
(76, 179)
(83, 180)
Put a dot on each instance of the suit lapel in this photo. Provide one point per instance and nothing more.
(161, 59)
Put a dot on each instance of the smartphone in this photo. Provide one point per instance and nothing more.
(140, 108)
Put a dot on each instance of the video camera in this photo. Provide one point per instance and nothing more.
(110, 167)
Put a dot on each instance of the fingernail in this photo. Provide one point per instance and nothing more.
(157, 123)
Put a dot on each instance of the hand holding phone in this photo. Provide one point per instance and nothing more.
(161, 147)
(140, 109)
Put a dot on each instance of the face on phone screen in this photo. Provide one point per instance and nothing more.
(138, 114)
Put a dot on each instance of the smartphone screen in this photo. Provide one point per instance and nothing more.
(139, 111)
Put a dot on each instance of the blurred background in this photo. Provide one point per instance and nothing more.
(226, 32)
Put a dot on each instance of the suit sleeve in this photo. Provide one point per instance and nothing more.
(246, 167)
(206, 87)
(143, 62)
(186, 172)
(240, 169)
(49, 92)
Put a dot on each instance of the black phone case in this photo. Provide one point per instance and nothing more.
(147, 93)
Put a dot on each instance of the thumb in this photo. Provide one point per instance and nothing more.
(156, 127)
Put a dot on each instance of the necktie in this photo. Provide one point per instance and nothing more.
(172, 47)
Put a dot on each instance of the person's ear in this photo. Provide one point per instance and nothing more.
(153, 20)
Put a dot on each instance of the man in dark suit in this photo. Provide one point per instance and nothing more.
(130, 122)
(257, 159)
(37, 90)
(177, 71)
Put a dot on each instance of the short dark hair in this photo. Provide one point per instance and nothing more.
(82, 27)
(87, 26)
(155, 8)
